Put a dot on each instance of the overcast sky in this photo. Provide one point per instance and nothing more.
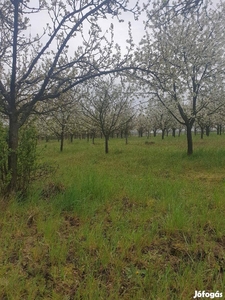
(38, 21)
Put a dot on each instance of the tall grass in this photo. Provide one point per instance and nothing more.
(143, 222)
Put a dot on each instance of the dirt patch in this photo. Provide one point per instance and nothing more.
(72, 221)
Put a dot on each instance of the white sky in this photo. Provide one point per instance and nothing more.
(38, 21)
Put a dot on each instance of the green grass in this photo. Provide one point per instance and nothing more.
(142, 222)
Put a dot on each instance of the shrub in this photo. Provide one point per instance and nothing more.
(26, 154)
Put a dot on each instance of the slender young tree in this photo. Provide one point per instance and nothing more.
(58, 114)
(108, 106)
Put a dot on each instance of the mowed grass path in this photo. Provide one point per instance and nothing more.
(142, 222)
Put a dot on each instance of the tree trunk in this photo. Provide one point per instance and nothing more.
(189, 140)
(13, 146)
(106, 144)
(62, 138)
(173, 132)
(167, 132)
(126, 137)
(207, 130)
(202, 132)
(140, 132)
(13, 118)
(195, 130)
(217, 129)
(163, 133)
(179, 132)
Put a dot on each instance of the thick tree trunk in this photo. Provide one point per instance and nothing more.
(13, 147)
(189, 140)
(13, 119)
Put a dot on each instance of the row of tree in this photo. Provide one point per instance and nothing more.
(186, 63)
(74, 67)
(108, 114)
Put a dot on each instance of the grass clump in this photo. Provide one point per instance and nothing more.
(143, 222)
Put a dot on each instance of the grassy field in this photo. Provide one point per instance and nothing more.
(143, 222)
